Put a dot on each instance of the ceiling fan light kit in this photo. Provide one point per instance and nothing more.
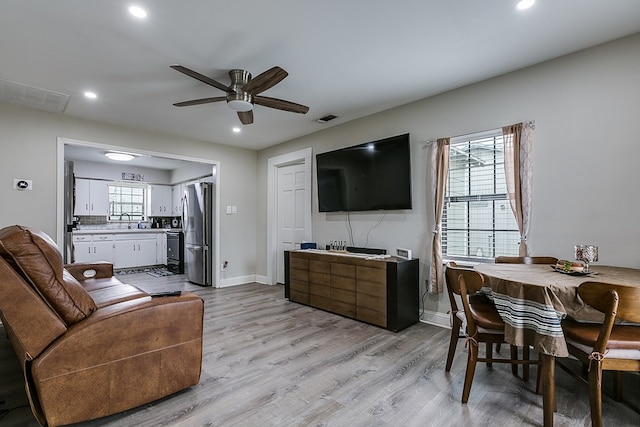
(242, 93)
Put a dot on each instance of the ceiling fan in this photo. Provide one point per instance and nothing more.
(243, 92)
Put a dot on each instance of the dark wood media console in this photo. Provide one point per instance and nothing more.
(383, 292)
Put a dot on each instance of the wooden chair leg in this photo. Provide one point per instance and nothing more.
(453, 342)
(539, 376)
(498, 345)
(617, 386)
(514, 356)
(472, 359)
(489, 351)
(595, 393)
(525, 367)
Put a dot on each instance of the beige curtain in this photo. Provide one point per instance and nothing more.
(439, 173)
(518, 139)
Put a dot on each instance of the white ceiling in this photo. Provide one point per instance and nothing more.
(350, 58)
(97, 155)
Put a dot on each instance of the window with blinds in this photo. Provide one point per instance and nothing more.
(477, 221)
(126, 203)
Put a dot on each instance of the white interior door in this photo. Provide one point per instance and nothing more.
(291, 199)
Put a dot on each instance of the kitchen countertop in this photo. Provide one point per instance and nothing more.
(123, 230)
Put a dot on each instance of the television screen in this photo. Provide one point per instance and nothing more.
(371, 176)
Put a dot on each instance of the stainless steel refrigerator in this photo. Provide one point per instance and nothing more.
(197, 224)
(69, 205)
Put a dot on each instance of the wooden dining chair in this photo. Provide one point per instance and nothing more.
(526, 260)
(483, 323)
(457, 313)
(608, 346)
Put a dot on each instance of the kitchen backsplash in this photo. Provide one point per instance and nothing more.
(95, 222)
(92, 220)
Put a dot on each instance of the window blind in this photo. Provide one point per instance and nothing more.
(477, 221)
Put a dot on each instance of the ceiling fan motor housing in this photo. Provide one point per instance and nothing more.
(239, 100)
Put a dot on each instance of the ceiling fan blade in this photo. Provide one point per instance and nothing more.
(246, 117)
(202, 78)
(200, 101)
(280, 104)
(265, 81)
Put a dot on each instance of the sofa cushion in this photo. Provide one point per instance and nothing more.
(36, 257)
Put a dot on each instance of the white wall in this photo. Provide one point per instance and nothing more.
(586, 147)
(28, 144)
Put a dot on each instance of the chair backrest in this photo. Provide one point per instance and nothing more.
(605, 299)
(474, 280)
(469, 281)
(526, 260)
(594, 294)
(452, 285)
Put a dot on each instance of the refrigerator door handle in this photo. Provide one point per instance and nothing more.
(185, 212)
(205, 266)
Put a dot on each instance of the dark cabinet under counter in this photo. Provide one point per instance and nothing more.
(382, 292)
(175, 251)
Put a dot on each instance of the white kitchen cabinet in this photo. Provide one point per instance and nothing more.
(92, 248)
(135, 250)
(178, 194)
(82, 248)
(161, 249)
(92, 197)
(160, 200)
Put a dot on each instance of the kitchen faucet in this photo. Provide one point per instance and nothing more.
(128, 216)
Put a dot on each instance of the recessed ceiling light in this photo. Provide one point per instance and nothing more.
(525, 4)
(90, 95)
(119, 157)
(138, 12)
(236, 130)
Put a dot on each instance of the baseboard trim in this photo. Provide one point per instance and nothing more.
(436, 318)
(243, 280)
(235, 281)
(263, 280)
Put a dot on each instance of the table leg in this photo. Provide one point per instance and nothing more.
(549, 388)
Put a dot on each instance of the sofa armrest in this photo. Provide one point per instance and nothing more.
(90, 270)
(121, 356)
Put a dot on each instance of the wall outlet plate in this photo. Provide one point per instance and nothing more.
(403, 253)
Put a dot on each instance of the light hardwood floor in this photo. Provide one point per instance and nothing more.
(271, 362)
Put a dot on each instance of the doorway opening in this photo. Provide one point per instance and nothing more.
(182, 169)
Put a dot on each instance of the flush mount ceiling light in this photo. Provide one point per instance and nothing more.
(90, 95)
(119, 157)
(138, 12)
(525, 4)
(236, 130)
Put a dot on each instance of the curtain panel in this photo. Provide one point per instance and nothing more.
(518, 140)
(439, 173)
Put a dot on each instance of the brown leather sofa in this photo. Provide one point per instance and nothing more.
(90, 345)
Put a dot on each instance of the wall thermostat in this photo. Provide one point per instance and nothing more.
(22, 184)
(403, 253)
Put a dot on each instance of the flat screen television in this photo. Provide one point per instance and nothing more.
(366, 177)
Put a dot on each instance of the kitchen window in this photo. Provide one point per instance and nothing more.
(126, 202)
(477, 220)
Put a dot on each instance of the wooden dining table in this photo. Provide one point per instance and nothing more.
(533, 299)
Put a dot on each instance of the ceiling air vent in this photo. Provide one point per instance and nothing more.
(32, 97)
(325, 119)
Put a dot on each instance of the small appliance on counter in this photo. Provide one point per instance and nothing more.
(175, 223)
